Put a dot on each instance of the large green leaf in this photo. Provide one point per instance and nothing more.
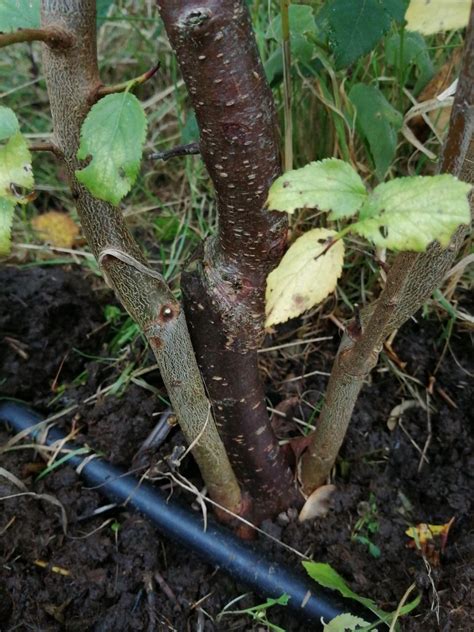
(19, 14)
(331, 185)
(304, 277)
(15, 168)
(6, 219)
(356, 26)
(112, 135)
(410, 213)
(378, 122)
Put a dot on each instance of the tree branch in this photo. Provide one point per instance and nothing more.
(224, 294)
(54, 37)
(180, 150)
(51, 147)
(70, 75)
(102, 91)
(411, 280)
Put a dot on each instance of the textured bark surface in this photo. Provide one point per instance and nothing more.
(72, 78)
(411, 281)
(224, 294)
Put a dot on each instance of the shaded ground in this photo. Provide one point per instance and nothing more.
(121, 575)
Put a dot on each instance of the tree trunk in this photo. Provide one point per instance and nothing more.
(72, 79)
(411, 281)
(224, 293)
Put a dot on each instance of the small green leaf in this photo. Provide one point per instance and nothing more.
(345, 622)
(113, 135)
(19, 14)
(8, 123)
(355, 26)
(15, 167)
(378, 122)
(326, 576)
(6, 220)
(331, 185)
(304, 277)
(410, 213)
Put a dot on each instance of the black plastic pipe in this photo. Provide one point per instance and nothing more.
(216, 545)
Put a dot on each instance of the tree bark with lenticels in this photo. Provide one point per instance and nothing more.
(224, 292)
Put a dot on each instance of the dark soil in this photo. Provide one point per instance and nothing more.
(114, 572)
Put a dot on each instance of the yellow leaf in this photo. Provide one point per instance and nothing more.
(304, 276)
(424, 532)
(433, 16)
(57, 229)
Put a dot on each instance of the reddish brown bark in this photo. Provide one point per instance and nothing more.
(224, 293)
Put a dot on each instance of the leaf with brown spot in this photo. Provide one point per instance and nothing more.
(304, 277)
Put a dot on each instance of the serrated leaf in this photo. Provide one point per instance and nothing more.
(19, 14)
(8, 123)
(437, 15)
(112, 135)
(345, 622)
(15, 167)
(378, 122)
(304, 276)
(410, 213)
(331, 185)
(6, 220)
(356, 26)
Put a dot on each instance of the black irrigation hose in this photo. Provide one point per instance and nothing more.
(217, 545)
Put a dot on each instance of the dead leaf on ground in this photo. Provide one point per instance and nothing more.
(429, 539)
(57, 229)
(317, 505)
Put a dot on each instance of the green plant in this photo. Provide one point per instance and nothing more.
(258, 613)
(367, 525)
(206, 345)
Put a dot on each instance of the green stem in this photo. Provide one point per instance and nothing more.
(287, 87)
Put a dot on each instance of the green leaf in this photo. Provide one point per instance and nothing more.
(113, 135)
(331, 185)
(378, 122)
(6, 220)
(302, 29)
(8, 123)
(414, 52)
(15, 167)
(103, 7)
(326, 576)
(19, 14)
(301, 19)
(356, 26)
(345, 621)
(304, 277)
(410, 213)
